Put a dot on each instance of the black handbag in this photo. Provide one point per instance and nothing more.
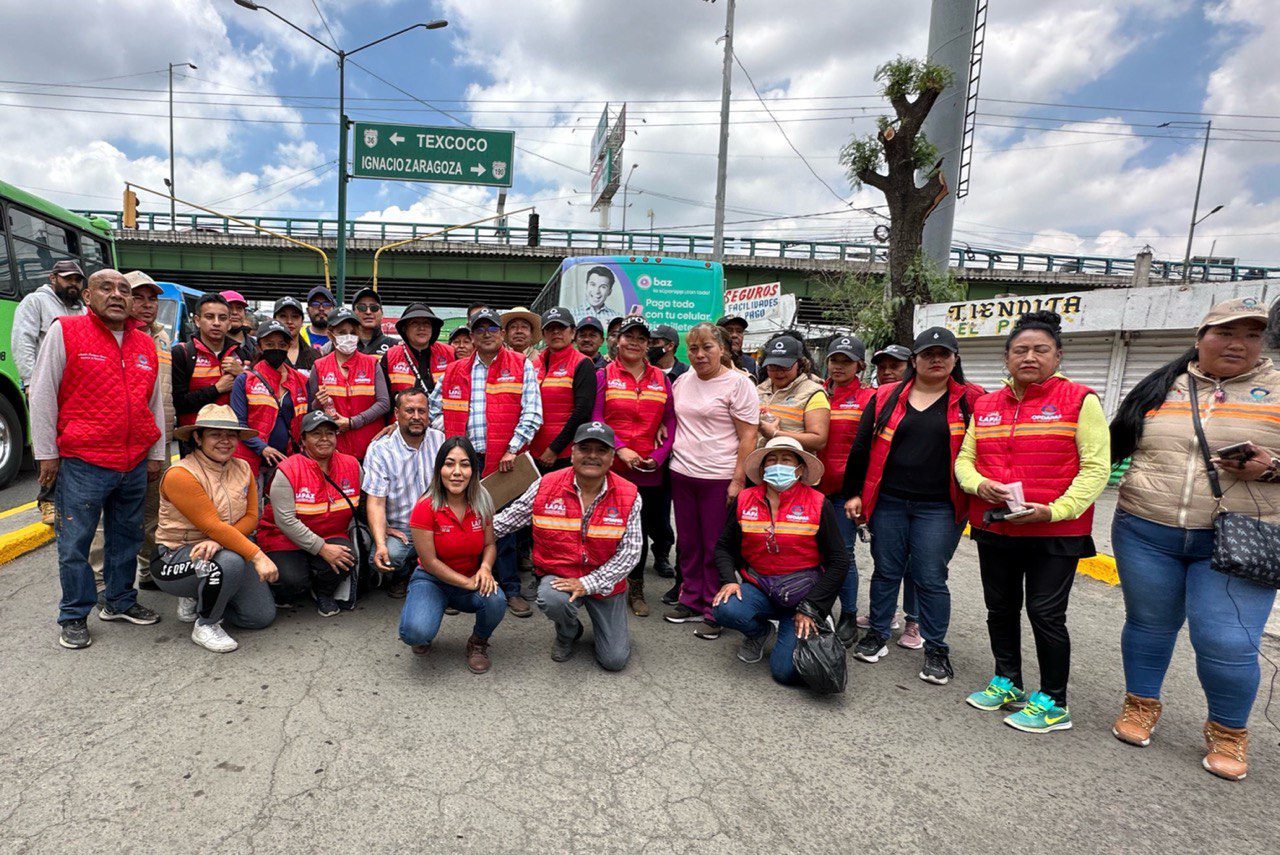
(820, 659)
(1243, 546)
(362, 574)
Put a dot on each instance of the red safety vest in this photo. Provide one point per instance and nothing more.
(441, 355)
(562, 545)
(104, 400)
(319, 506)
(1032, 441)
(794, 531)
(206, 371)
(634, 408)
(264, 405)
(555, 379)
(402, 368)
(353, 390)
(503, 387)
(882, 441)
(847, 403)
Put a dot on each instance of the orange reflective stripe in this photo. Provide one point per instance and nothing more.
(611, 532)
(558, 523)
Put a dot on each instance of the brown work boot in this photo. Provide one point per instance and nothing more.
(478, 654)
(635, 598)
(398, 589)
(1137, 720)
(1226, 748)
(519, 606)
(48, 513)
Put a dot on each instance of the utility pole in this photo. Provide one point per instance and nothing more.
(173, 206)
(722, 163)
(1195, 208)
(634, 166)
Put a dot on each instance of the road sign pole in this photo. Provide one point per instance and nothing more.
(340, 263)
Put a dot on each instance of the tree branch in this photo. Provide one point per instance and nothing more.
(875, 179)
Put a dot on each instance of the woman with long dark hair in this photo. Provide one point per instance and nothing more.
(452, 527)
(1035, 458)
(1163, 533)
(900, 479)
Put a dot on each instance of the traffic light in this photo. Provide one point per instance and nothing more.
(533, 229)
(130, 218)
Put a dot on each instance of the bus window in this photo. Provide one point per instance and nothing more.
(33, 263)
(30, 227)
(93, 252)
(6, 272)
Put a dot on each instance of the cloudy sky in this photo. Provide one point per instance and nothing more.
(1070, 156)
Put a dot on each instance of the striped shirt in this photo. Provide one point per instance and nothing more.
(601, 580)
(530, 408)
(400, 473)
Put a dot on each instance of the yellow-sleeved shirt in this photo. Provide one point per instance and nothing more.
(818, 401)
(1093, 441)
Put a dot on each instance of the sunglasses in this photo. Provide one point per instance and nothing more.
(365, 307)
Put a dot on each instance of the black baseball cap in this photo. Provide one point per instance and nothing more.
(936, 337)
(486, 316)
(615, 322)
(783, 351)
(558, 315)
(287, 303)
(666, 332)
(269, 327)
(733, 319)
(320, 291)
(599, 431)
(315, 419)
(461, 329)
(851, 346)
(415, 311)
(891, 351)
(342, 316)
(592, 322)
(66, 267)
(365, 292)
(634, 322)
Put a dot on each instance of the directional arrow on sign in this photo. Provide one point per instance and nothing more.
(478, 170)
(396, 139)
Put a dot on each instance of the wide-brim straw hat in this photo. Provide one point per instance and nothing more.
(218, 417)
(523, 313)
(813, 467)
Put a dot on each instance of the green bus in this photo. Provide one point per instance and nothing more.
(34, 233)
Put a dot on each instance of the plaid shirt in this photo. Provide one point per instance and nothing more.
(601, 580)
(530, 408)
(399, 473)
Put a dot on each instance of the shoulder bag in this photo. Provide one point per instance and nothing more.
(362, 575)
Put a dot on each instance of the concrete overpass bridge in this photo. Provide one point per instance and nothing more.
(509, 266)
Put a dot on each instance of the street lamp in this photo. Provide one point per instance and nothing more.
(634, 166)
(340, 265)
(173, 212)
(1195, 206)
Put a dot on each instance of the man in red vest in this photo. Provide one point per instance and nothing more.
(420, 359)
(493, 400)
(205, 367)
(567, 379)
(270, 398)
(349, 386)
(97, 417)
(586, 538)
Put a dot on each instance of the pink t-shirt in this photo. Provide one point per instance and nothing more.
(706, 444)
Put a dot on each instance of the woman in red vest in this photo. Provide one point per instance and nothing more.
(270, 398)
(567, 380)
(900, 478)
(350, 387)
(304, 530)
(1036, 456)
(452, 529)
(783, 539)
(420, 359)
(846, 360)
(634, 398)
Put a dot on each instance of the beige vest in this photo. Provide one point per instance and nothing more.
(165, 378)
(1167, 482)
(228, 488)
(788, 403)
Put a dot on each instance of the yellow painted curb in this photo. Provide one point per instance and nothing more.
(1100, 567)
(23, 540)
(18, 510)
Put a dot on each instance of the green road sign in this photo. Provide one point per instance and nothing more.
(441, 155)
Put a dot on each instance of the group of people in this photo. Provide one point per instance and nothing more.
(321, 461)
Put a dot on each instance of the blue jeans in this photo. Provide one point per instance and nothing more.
(1166, 580)
(848, 533)
(506, 568)
(425, 603)
(403, 557)
(915, 539)
(751, 615)
(84, 494)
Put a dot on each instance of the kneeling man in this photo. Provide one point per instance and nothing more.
(586, 538)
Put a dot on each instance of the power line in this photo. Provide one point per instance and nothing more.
(1131, 109)
(311, 180)
(272, 184)
(323, 20)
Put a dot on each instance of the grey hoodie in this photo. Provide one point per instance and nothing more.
(31, 320)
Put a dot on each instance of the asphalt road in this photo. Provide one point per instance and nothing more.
(21, 491)
(329, 735)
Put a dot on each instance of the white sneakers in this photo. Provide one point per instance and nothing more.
(187, 609)
(213, 637)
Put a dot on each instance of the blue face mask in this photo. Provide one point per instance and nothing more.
(781, 476)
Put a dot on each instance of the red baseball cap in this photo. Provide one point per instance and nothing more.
(234, 297)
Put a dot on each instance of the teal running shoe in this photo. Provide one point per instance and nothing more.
(999, 694)
(1040, 715)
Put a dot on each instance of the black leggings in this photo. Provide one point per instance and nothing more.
(655, 525)
(1008, 565)
(230, 588)
(302, 573)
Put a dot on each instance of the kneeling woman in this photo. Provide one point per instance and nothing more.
(208, 510)
(782, 536)
(304, 529)
(452, 529)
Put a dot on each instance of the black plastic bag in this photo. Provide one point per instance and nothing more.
(820, 659)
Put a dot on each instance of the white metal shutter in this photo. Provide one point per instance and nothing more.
(1086, 359)
(983, 361)
(1147, 351)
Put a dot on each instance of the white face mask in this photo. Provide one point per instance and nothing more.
(346, 344)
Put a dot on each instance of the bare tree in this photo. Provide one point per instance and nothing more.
(904, 152)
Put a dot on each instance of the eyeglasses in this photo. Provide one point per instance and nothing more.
(320, 304)
(365, 307)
